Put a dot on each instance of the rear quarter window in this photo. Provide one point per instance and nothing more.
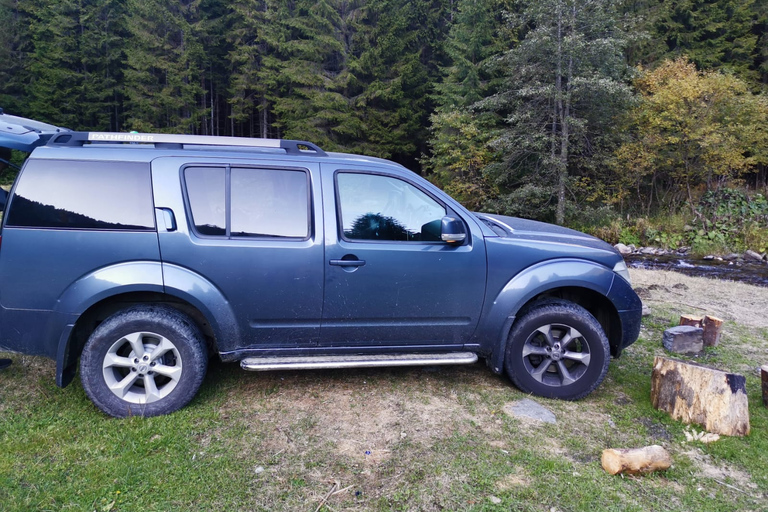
(83, 195)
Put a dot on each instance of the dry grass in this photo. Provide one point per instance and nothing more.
(741, 303)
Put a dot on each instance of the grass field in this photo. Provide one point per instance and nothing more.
(396, 439)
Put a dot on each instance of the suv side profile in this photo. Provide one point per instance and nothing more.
(141, 255)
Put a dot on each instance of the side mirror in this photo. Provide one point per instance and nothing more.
(452, 230)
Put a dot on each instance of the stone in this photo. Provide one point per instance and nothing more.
(648, 251)
(752, 256)
(646, 310)
(527, 408)
(709, 257)
(684, 339)
(623, 249)
(731, 257)
(694, 393)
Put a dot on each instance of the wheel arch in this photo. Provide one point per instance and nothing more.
(581, 282)
(74, 338)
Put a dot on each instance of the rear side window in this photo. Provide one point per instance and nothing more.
(249, 202)
(83, 195)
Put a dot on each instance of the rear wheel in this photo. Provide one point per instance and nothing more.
(144, 361)
(557, 350)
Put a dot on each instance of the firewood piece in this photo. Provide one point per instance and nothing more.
(764, 379)
(693, 393)
(693, 320)
(683, 339)
(635, 461)
(712, 328)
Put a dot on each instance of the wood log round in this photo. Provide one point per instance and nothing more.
(636, 461)
(692, 320)
(694, 393)
(712, 329)
(764, 380)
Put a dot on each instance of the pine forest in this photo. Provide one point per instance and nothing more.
(639, 121)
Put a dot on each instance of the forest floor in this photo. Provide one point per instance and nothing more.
(393, 439)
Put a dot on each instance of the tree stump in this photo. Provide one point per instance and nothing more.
(633, 462)
(764, 380)
(712, 328)
(692, 320)
(693, 393)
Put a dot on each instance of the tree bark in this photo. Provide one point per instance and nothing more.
(694, 393)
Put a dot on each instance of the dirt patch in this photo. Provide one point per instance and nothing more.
(723, 473)
(517, 479)
(742, 303)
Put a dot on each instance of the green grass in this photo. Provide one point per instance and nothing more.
(399, 439)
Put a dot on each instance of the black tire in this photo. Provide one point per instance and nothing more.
(557, 350)
(152, 355)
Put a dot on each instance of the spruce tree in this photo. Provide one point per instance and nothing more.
(165, 66)
(714, 34)
(563, 86)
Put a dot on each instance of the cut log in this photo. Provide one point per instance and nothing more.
(712, 328)
(683, 339)
(693, 393)
(764, 379)
(695, 321)
(633, 462)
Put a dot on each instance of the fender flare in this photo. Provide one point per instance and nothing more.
(126, 277)
(135, 276)
(531, 282)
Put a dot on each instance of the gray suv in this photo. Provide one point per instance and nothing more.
(141, 255)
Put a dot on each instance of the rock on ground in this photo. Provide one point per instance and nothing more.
(527, 408)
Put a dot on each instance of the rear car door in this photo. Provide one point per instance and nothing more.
(390, 280)
(249, 228)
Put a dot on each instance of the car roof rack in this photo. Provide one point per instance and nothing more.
(171, 141)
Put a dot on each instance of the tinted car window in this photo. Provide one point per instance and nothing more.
(377, 207)
(83, 195)
(269, 202)
(207, 199)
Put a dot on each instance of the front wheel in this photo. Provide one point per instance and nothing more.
(144, 361)
(557, 350)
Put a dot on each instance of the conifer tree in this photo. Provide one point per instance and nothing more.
(563, 86)
(165, 66)
(76, 48)
(14, 41)
(460, 135)
(714, 34)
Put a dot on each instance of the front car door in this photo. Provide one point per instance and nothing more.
(390, 280)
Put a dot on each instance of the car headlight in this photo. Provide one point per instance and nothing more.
(621, 269)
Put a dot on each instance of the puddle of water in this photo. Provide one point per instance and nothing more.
(743, 271)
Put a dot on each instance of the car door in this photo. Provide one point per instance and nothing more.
(248, 227)
(390, 280)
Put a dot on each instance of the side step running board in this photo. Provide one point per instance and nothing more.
(261, 364)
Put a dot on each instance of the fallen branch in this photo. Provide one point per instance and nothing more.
(334, 487)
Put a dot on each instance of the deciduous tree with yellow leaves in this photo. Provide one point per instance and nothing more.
(691, 131)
